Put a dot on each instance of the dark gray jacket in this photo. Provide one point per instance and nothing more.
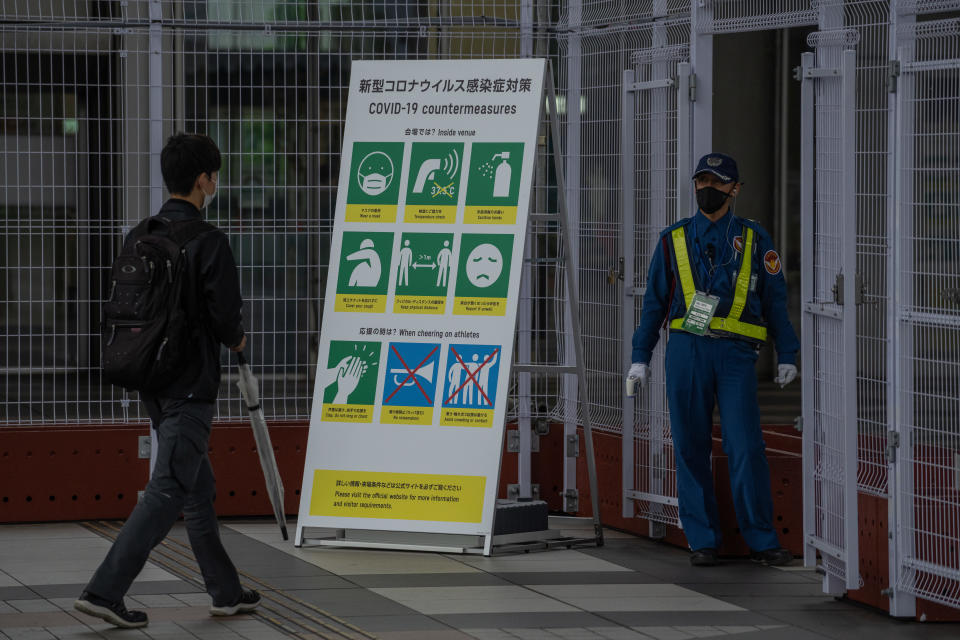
(211, 297)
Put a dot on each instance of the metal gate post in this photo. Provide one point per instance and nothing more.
(155, 107)
(686, 89)
(899, 474)
(701, 58)
(807, 226)
(627, 240)
(848, 137)
(155, 79)
(659, 194)
(571, 384)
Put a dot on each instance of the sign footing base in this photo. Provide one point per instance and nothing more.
(463, 544)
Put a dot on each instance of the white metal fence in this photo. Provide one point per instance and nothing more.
(928, 311)
(880, 254)
(91, 90)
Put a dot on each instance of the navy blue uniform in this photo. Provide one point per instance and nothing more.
(698, 368)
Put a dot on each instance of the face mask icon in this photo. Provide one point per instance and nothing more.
(375, 173)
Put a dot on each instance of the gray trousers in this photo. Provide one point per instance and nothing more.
(182, 481)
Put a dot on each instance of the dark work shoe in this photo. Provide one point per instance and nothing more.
(249, 600)
(113, 612)
(772, 557)
(706, 557)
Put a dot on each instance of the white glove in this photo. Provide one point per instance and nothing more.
(785, 374)
(638, 373)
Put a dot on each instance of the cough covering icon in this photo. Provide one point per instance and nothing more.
(368, 269)
(375, 173)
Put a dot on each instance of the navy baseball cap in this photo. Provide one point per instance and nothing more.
(720, 165)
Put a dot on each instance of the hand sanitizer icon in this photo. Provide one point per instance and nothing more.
(501, 178)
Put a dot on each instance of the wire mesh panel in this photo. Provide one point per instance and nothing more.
(90, 93)
(658, 95)
(597, 168)
(736, 16)
(61, 198)
(928, 327)
(870, 19)
(829, 319)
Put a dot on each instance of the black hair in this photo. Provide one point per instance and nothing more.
(185, 157)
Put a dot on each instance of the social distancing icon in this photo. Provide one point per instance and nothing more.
(424, 264)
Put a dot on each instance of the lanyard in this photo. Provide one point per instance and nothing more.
(709, 274)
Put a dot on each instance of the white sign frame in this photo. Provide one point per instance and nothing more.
(506, 101)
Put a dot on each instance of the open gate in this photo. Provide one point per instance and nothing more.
(656, 130)
(829, 320)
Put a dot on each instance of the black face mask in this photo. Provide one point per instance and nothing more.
(710, 199)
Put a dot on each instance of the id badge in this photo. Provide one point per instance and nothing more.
(700, 313)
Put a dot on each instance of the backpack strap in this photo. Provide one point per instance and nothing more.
(186, 230)
(180, 232)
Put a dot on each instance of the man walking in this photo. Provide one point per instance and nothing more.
(716, 281)
(181, 413)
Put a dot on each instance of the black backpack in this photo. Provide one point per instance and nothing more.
(146, 332)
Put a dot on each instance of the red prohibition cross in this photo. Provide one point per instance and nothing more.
(411, 372)
(471, 376)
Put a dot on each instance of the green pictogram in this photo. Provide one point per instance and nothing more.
(435, 169)
(484, 265)
(375, 172)
(494, 178)
(425, 264)
(351, 374)
(364, 263)
(374, 182)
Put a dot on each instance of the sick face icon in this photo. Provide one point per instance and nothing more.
(375, 173)
(484, 265)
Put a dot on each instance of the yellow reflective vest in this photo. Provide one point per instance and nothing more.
(731, 325)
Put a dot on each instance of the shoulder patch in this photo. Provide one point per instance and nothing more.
(771, 262)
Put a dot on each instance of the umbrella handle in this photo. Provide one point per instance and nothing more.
(240, 359)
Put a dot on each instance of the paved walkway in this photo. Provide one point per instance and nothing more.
(631, 589)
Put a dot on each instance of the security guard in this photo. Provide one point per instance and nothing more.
(717, 282)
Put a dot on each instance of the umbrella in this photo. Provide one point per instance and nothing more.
(249, 389)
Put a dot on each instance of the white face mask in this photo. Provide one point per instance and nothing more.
(376, 183)
(208, 197)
